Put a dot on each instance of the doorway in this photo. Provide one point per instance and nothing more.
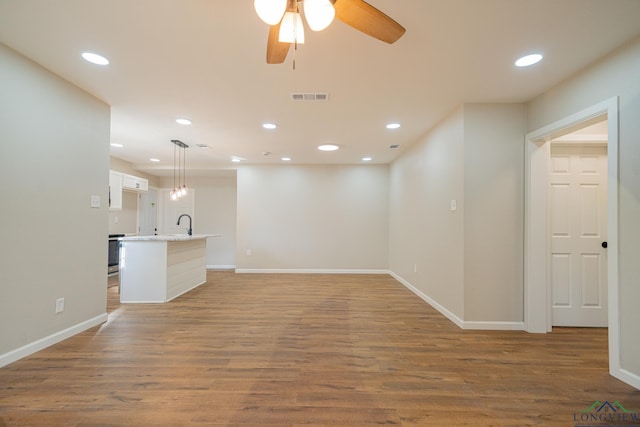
(148, 213)
(578, 227)
(537, 292)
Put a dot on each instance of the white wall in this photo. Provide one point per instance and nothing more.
(215, 213)
(313, 217)
(54, 155)
(493, 212)
(615, 75)
(423, 231)
(125, 221)
(469, 261)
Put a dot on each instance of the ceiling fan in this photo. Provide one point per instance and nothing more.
(286, 23)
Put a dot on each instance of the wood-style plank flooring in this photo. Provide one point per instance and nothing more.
(306, 350)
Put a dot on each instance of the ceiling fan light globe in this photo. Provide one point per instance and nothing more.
(291, 29)
(319, 14)
(270, 11)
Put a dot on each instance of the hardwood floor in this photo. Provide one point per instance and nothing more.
(306, 350)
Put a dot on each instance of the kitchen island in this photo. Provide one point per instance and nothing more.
(157, 269)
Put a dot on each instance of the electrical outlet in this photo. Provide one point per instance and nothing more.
(415, 268)
(59, 305)
(248, 252)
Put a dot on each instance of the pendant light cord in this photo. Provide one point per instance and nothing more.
(174, 167)
(184, 166)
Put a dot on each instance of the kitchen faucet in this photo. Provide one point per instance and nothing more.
(189, 231)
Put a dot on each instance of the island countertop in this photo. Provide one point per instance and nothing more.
(166, 237)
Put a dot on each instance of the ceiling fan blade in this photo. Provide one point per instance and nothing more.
(366, 18)
(276, 50)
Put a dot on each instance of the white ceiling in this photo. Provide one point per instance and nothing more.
(205, 60)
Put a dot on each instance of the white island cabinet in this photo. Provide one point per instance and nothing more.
(155, 269)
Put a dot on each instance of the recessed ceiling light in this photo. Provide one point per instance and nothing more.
(269, 126)
(94, 58)
(528, 60)
(286, 159)
(236, 159)
(154, 160)
(366, 159)
(328, 147)
(115, 144)
(183, 121)
(393, 125)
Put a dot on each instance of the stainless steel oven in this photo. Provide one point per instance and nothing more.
(114, 253)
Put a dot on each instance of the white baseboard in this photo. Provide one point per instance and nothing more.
(471, 325)
(449, 315)
(221, 267)
(45, 342)
(628, 377)
(492, 325)
(309, 271)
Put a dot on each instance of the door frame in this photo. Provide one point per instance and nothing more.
(537, 283)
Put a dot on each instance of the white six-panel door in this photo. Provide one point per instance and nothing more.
(578, 219)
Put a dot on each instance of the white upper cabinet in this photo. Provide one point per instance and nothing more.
(134, 183)
(119, 182)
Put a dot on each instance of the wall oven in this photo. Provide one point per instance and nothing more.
(114, 253)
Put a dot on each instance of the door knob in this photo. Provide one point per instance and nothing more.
(604, 245)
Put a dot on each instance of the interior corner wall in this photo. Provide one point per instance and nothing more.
(615, 75)
(55, 154)
(304, 217)
(425, 236)
(494, 212)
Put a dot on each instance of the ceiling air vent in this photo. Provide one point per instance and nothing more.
(309, 96)
(202, 145)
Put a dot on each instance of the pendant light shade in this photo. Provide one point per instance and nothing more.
(291, 29)
(270, 11)
(319, 14)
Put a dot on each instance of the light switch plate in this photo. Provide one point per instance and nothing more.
(95, 201)
(454, 205)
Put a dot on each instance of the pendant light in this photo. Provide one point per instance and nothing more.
(179, 168)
